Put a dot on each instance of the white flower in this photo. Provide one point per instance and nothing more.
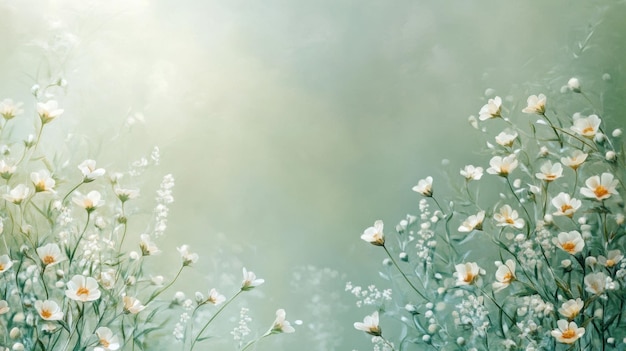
(600, 187)
(280, 324)
(90, 201)
(502, 166)
(82, 288)
(4, 307)
(505, 274)
(466, 273)
(48, 310)
(473, 222)
(567, 333)
(586, 126)
(5, 263)
(374, 235)
(9, 109)
(565, 205)
(48, 111)
(250, 280)
(132, 305)
(43, 181)
(17, 194)
(126, 194)
(570, 308)
(89, 170)
(472, 173)
(508, 217)
(491, 110)
(369, 325)
(550, 172)
(424, 186)
(107, 278)
(188, 257)
(574, 84)
(6, 169)
(148, 247)
(215, 297)
(595, 283)
(575, 160)
(571, 242)
(505, 138)
(108, 341)
(535, 105)
(50, 254)
(614, 257)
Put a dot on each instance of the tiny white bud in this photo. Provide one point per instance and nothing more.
(606, 77)
(460, 341)
(387, 262)
(18, 346)
(610, 155)
(548, 218)
(574, 85)
(598, 313)
(134, 255)
(599, 138)
(590, 261)
(426, 338)
(517, 183)
(566, 263)
(610, 341)
(199, 297)
(616, 133)
(410, 308)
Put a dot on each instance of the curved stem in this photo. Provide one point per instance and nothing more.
(404, 275)
(195, 340)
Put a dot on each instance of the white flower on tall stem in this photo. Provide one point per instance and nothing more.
(575, 160)
(570, 242)
(108, 341)
(374, 235)
(5, 263)
(126, 194)
(10, 109)
(369, 325)
(467, 273)
(188, 257)
(215, 298)
(472, 222)
(4, 307)
(565, 205)
(600, 187)
(502, 166)
(573, 84)
(425, 187)
(50, 254)
(148, 247)
(132, 305)
(571, 308)
(250, 280)
(614, 257)
(567, 333)
(90, 201)
(89, 170)
(280, 324)
(492, 109)
(472, 173)
(17, 194)
(505, 138)
(48, 310)
(535, 104)
(586, 126)
(83, 289)
(508, 217)
(549, 171)
(42, 181)
(595, 283)
(505, 274)
(7, 169)
(48, 111)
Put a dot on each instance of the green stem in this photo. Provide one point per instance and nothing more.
(195, 340)
(404, 275)
(158, 292)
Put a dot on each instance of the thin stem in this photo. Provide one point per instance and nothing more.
(404, 275)
(195, 340)
(158, 292)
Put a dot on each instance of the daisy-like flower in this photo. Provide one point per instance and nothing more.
(466, 273)
(49, 310)
(424, 186)
(50, 254)
(567, 333)
(374, 235)
(83, 289)
(549, 171)
(472, 173)
(506, 139)
(132, 305)
(5, 263)
(43, 181)
(586, 126)
(369, 325)
(17, 194)
(535, 104)
(595, 283)
(4, 307)
(189, 258)
(148, 247)
(472, 222)
(126, 194)
(492, 109)
(502, 166)
(48, 111)
(90, 201)
(108, 341)
(89, 170)
(565, 205)
(614, 257)
(6, 169)
(600, 187)
(571, 242)
(250, 280)
(505, 274)
(10, 109)
(508, 217)
(575, 160)
(280, 324)
(571, 308)
(215, 297)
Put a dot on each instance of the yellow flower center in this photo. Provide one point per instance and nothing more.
(46, 314)
(40, 186)
(569, 333)
(508, 276)
(82, 291)
(569, 246)
(509, 220)
(610, 263)
(588, 130)
(1, 267)
(105, 343)
(550, 177)
(49, 259)
(566, 207)
(600, 191)
(469, 277)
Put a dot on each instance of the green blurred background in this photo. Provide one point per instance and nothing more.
(291, 126)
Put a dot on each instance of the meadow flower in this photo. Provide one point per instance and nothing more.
(567, 333)
(280, 324)
(466, 273)
(188, 257)
(575, 160)
(48, 111)
(6, 169)
(42, 181)
(586, 126)
(491, 109)
(90, 201)
(595, 283)
(565, 205)
(508, 217)
(108, 341)
(5, 263)
(570, 308)
(535, 104)
(50, 254)
(82, 289)
(506, 138)
(502, 166)
(600, 187)
(10, 109)
(250, 280)
(574, 84)
(425, 187)
(17, 194)
(148, 247)
(613, 258)
(570, 242)
(374, 235)
(369, 325)
(4, 307)
(48, 310)
(473, 222)
(549, 171)
(132, 305)
(107, 278)
(505, 274)
(215, 298)
(126, 194)
(89, 170)
(472, 173)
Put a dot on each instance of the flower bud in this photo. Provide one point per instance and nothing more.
(616, 133)
(610, 155)
(15, 333)
(574, 85)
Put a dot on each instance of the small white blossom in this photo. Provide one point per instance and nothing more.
(587, 126)
(424, 187)
(250, 280)
(536, 104)
(369, 325)
(492, 109)
(567, 333)
(508, 217)
(48, 111)
(565, 205)
(472, 173)
(89, 170)
(374, 235)
(600, 187)
(549, 171)
(502, 166)
(570, 242)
